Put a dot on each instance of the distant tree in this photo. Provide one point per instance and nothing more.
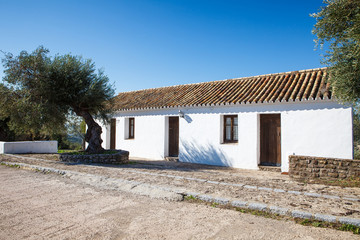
(56, 86)
(76, 128)
(338, 24)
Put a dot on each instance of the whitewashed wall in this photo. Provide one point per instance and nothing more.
(316, 129)
(320, 133)
(29, 147)
(149, 139)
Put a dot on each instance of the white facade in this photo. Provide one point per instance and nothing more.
(322, 129)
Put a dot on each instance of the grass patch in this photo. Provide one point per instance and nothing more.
(192, 199)
(10, 165)
(317, 224)
(350, 228)
(214, 204)
(259, 213)
(349, 182)
(66, 151)
(337, 226)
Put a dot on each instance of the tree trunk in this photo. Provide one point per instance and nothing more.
(93, 133)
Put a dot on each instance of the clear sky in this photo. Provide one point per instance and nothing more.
(153, 43)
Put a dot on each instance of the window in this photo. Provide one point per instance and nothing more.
(230, 129)
(131, 128)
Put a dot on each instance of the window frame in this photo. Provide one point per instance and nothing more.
(131, 126)
(232, 117)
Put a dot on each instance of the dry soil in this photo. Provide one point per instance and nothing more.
(34, 205)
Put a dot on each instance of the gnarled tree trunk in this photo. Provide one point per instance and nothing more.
(93, 133)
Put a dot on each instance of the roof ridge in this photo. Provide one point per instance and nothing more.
(229, 79)
(281, 73)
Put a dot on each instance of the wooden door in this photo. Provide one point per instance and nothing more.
(112, 133)
(173, 136)
(270, 140)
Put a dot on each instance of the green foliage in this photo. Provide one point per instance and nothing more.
(189, 197)
(356, 151)
(356, 124)
(356, 133)
(305, 222)
(338, 24)
(74, 85)
(350, 228)
(5, 133)
(64, 143)
(76, 129)
(83, 127)
(65, 151)
(40, 92)
(10, 165)
(317, 224)
(31, 115)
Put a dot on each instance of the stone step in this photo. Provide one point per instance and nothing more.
(270, 168)
(172, 159)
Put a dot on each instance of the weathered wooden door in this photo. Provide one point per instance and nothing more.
(173, 136)
(112, 133)
(270, 140)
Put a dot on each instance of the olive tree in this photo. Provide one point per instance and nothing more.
(58, 85)
(338, 27)
(25, 111)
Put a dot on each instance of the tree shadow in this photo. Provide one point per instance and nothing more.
(203, 154)
(193, 157)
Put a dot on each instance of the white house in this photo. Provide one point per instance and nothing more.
(242, 123)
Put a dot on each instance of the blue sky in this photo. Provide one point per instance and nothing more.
(152, 43)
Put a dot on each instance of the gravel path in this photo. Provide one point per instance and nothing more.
(245, 185)
(49, 206)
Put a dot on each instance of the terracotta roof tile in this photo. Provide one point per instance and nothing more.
(282, 87)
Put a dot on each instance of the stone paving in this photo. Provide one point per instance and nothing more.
(243, 188)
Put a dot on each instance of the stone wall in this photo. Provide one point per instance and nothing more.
(304, 167)
(120, 157)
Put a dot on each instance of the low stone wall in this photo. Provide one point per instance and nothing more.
(304, 167)
(29, 147)
(120, 157)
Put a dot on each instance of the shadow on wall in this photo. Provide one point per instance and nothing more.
(188, 119)
(191, 152)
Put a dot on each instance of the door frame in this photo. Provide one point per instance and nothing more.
(277, 131)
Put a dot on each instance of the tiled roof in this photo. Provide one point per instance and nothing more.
(281, 87)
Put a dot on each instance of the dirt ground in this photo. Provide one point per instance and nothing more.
(172, 174)
(34, 205)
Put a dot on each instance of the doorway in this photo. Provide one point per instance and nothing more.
(112, 133)
(270, 140)
(173, 136)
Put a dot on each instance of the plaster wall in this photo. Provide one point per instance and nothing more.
(149, 139)
(105, 135)
(201, 140)
(313, 129)
(29, 147)
(317, 132)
